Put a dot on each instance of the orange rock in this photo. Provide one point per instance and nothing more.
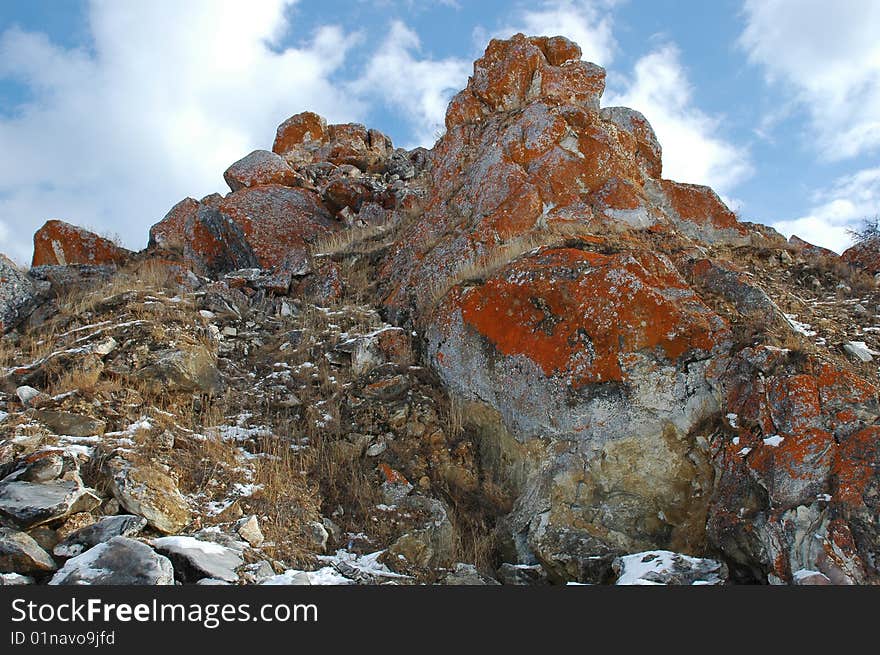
(515, 71)
(578, 315)
(277, 219)
(300, 131)
(699, 213)
(169, 233)
(306, 138)
(865, 255)
(258, 168)
(60, 244)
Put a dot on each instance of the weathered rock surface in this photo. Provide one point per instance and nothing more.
(123, 525)
(523, 346)
(148, 492)
(865, 255)
(661, 567)
(195, 559)
(17, 295)
(59, 243)
(19, 553)
(259, 167)
(120, 561)
(27, 504)
(191, 368)
(67, 423)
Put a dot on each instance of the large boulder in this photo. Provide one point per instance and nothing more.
(865, 255)
(27, 505)
(146, 491)
(195, 559)
(259, 168)
(277, 221)
(214, 244)
(19, 553)
(170, 232)
(120, 561)
(796, 470)
(18, 295)
(60, 244)
(599, 367)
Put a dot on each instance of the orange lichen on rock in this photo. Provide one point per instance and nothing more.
(700, 212)
(517, 70)
(298, 130)
(60, 244)
(277, 219)
(169, 233)
(856, 466)
(576, 313)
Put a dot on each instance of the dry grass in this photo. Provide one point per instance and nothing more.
(484, 267)
(347, 240)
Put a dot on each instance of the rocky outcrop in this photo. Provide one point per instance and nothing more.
(306, 138)
(60, 244)
(865, 255)
(524, 345)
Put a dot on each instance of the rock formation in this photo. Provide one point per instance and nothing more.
(523, 348)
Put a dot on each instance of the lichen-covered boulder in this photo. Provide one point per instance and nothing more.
(60, 244)
(277, 221)
(170, 232)
(599, 367)
(258, 168)
(796, 470)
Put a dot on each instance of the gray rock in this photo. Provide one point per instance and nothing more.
(46, 468)
(662, 567)
(188, 369)
(15, 580)
(522, 574)
(27, 394)
(195, 559)
(859, 350)
(124, 525)
(17, 295)
(259, 167)
(399, 164)
(120, 561)
(467, 575)
(66, 423)
(19, 553)
(27, 504)
(432, 545)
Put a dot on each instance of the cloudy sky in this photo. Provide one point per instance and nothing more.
(113, 110)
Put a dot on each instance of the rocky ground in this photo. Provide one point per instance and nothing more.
(522, 357)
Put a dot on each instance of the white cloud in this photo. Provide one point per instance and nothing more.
(827, 55)
(586, 22)
(835, 210)
(418, 89)
(168, 96)
(693, 151)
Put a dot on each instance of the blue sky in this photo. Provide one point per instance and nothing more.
(112, 111)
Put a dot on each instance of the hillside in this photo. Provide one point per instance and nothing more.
(522, 356)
